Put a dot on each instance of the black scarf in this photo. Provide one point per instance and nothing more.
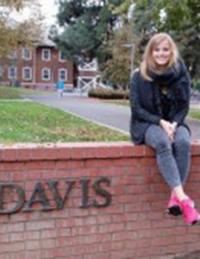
(170, 76)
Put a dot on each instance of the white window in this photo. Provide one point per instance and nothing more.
(62, 74)
(26, 54)
(13, 54)
(46, 54)
(62, 56)
(46, 74)
(12, 72)
(27, 73)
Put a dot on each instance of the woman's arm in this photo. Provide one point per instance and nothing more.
(183, 98)
(138, 111)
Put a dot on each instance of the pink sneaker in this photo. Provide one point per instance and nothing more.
(190, 214)
(173, 206)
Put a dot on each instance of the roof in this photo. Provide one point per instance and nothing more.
(45, 41)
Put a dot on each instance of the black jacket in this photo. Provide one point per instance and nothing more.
(145, 101)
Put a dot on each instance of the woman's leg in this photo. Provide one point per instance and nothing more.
(182, 152)
(156, 138)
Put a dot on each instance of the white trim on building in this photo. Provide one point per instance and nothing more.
(46, 74)
(62, 74)
(26, 54)
(27, 73)
(89, 66)
(61, 56)
(12, 72)
(87, 82)
(46, 54)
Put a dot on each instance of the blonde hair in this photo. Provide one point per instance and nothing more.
(148, 63)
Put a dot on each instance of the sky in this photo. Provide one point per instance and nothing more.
(48, 9)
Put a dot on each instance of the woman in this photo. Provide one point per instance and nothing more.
(160, 93)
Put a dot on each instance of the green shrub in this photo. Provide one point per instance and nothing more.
(196, 85)
(108, 93)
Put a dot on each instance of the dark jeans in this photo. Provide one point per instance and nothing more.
(173, 158)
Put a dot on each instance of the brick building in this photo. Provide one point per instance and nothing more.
(40, 66)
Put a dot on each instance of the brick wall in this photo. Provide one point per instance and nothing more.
(90, 201)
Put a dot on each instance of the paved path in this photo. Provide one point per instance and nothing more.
(112, 115)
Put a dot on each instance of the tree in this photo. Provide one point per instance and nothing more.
(88, 25)
(180, 18)
(122, 47)
(13, 33)
(17, 4)
(89, 28)
(183, 22)
(117, 68)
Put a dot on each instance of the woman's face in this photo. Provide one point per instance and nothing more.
(161, 53)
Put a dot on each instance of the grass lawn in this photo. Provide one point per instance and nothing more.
(24, 121)
(194, 113)
(18, 93)
(9, 93)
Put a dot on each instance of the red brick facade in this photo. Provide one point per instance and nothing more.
(132, 225)
(32, 68)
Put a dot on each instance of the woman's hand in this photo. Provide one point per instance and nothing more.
(169, 128)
